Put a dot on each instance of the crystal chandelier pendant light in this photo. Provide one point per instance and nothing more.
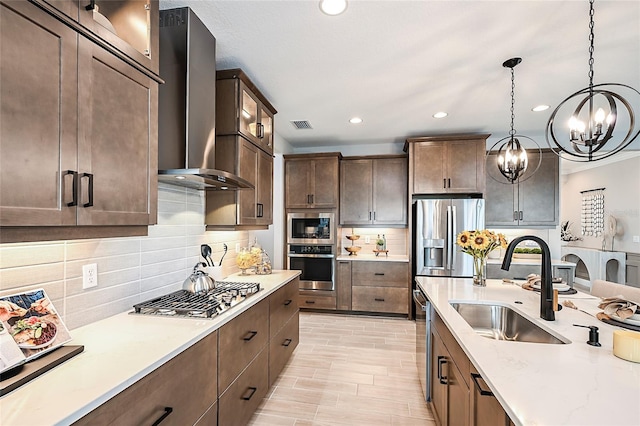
(512, 158)
(601, 121)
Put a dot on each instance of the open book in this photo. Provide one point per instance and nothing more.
(29, 327)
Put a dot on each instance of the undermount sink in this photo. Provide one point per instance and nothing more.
(500, 322)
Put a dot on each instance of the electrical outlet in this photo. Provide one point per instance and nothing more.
(636, 238)
(237, 247)
(89, 275)
(367, 239)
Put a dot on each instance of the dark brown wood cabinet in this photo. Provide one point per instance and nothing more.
(484, 407)
(373, 191)
(311, 180)
(380, 286)
(79, 128)
(247, 207)
(447, 164)
(171, 385)
(242, 109)
(343, 285)
(533, 202)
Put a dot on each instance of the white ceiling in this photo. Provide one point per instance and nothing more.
(396, 63)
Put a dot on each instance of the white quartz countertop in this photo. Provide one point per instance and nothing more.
(118, 351)
(372, 257)
(544, 384)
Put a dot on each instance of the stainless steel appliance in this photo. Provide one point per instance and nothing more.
(186, 105)
(317, 263)
(183, 303)
(311, 228)
(437, 223)
(423, 341)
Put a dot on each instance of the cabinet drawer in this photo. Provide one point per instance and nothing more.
(238, 403)
(381, 274)
(380, 299)
(313, 301)
(282, 304)
(171, 385)
(240, 340)
(457, 354)
(210, 418)
(281, 347)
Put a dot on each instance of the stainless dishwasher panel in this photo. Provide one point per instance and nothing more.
(423, 341)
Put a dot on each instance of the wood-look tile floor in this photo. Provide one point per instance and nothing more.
(348, 370)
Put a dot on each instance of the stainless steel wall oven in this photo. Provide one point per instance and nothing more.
(317, 263)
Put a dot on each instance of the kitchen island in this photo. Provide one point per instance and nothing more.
(543, 384)
(118, 352)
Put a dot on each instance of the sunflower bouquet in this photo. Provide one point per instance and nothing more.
(479, 244)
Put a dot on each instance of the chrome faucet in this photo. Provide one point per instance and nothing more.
(547, 310)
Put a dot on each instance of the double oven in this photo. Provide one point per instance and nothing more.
(311, 248)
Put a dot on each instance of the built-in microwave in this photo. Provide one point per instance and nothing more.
(311, 228)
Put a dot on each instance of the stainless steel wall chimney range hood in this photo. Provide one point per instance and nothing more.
(186, 110)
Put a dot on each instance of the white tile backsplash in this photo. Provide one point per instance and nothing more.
(130, 270)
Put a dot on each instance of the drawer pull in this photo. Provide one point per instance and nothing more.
(311, 302)
(443, 379)
(249, 393)
(287, 342)
(250, 336)
(287, 302)
(483, 392)
(167, 411)
(379, 273)
(74, 188)
(90, 189)
(379, 299)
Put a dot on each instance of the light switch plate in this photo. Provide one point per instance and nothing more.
(636, 238)
(89, 275)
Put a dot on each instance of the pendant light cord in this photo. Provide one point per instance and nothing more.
(512, 132)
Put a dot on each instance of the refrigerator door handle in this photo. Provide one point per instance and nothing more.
(448, 239)
(454, 235)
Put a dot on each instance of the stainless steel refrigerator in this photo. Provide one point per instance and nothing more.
(437, 223)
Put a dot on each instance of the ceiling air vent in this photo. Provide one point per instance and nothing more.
(301, 124)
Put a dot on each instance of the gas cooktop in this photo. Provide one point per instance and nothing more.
(183, 303)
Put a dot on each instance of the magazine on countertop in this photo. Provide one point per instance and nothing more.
(29, 327)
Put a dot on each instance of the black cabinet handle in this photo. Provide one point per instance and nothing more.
(515, 215)
(167, 411)
(287, 342)
(250, 336)
(261, 131)
(483, 392)
(74, 188)
(312, 199)
(449, 182)
(378, 299)
(378, 273)
(91, 6)
(259, 210)
(311, 302)
(250, 392)
(287, 302)
(369, 215)
(90, 176)
(441, 360)
(308, 198)
(444, 183)
(520, 214)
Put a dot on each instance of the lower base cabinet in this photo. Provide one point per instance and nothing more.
(245, 394)
(459, 395)
(379, 299)
(312, 300)
(167, 391)
(281, 347)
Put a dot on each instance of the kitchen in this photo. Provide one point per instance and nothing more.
(133, 269)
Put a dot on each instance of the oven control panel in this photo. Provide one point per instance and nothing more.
(310, 249)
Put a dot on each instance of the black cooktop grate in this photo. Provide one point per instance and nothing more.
(199, 305)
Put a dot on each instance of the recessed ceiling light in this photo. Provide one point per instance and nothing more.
(355, 120)
(440, 114)
(540, 108)
(333, 7)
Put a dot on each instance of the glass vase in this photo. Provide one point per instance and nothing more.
(480, 271)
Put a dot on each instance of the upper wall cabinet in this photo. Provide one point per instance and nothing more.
(125, 25)
(534, 202)
(242, 109)
(373, 191)
(311, 180)
(447, 164)
(78, 141)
